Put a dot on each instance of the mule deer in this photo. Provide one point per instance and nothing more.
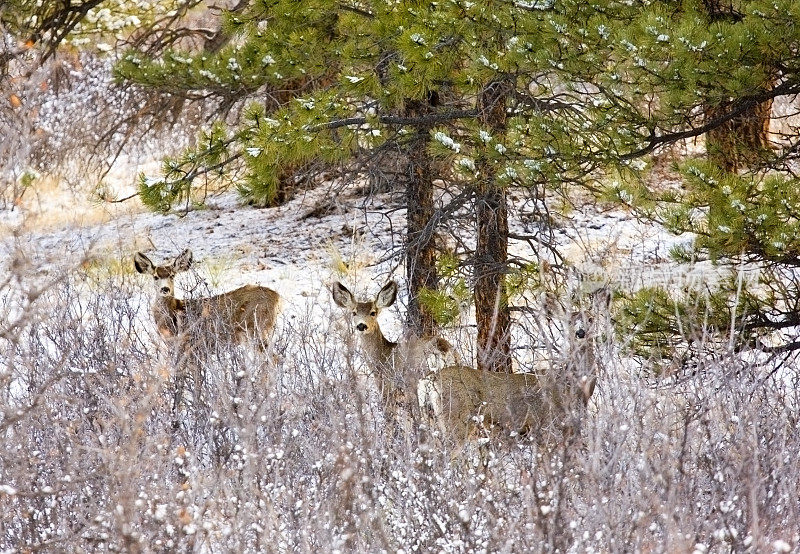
(246, 314)
(393, 365)
(462, 399)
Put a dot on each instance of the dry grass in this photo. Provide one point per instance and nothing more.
(49, 205)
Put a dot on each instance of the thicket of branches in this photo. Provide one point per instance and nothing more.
(291, 452)
(64, 116)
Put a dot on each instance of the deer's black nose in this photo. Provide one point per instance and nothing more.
(361, 327)
(164, 290)
(580, 333)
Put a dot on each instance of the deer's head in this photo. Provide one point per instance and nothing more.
(164, 275)
(365, 314)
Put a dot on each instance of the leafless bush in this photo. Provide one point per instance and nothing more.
(290, 452)
(68, 118)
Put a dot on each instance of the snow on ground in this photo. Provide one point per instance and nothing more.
(262, 245)
(299, 253)
(628, 253)
(324, 235)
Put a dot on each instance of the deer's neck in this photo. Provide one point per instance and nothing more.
(169, 304)
(167, 312)
(378, 350)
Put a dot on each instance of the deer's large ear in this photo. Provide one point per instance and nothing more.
(342, 295)
(183, 261)
(387, 295)
(603, 297)
(142, 263)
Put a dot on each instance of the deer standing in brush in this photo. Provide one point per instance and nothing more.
(245, 315)
(465, 402)
(396, 366)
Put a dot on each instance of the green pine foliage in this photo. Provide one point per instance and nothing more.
(747, 225)
(210, 159)
(444, 304)
(595, 86)
(275, 52)
(675, 63)
(658, 322)
(752, 308)
(754, 218)
(360, 64)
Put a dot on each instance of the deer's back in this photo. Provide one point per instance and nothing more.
(517, 402)
(500, 398)
(243, 309)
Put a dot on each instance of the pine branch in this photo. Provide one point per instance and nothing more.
(422, 121)
(356, 10)
(204, 170)
(740, 106)
(543, 105)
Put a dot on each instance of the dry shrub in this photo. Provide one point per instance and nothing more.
(289, 451)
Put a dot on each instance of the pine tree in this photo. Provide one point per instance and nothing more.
(587, 88)
(714, 68)
(743, 139)
(418, 173)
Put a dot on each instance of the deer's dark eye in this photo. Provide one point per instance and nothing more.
(373, 313)
(355, 312)
(155, 277)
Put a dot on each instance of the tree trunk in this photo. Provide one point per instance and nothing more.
(413, 168)
(420, 250)
(743, 140)
(492, 315)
